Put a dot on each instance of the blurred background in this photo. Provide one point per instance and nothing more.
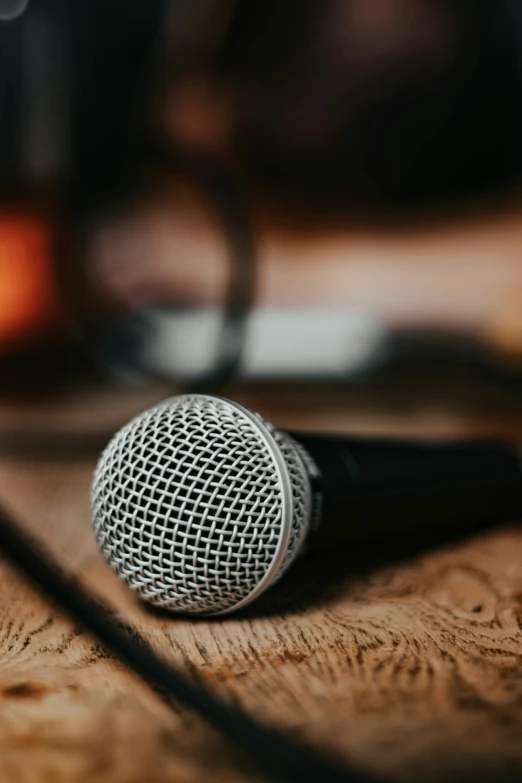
(317, 200)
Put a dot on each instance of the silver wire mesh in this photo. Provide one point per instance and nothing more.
(188, 504)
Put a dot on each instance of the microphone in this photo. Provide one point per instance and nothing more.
(200, 504)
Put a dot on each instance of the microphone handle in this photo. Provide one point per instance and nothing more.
(382, 489)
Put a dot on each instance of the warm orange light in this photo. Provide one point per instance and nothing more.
(28, 296)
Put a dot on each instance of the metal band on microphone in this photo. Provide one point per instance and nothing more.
(316, 485)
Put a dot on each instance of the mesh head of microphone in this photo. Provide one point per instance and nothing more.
(199, 504)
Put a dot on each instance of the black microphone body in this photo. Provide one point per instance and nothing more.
(381, 489)
(200, 504)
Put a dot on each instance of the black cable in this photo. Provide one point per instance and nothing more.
(279, 757)
(225, 194)
(231, 207)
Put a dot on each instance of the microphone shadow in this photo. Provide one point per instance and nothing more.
(318, 578)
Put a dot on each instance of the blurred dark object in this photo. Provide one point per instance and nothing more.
(71, 76)
(357, 102)
(74, 143)
(345, 106)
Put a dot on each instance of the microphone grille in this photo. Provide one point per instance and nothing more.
(199, 504)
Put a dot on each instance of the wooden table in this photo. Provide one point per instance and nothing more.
(409, 664)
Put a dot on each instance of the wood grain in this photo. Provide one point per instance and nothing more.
(408, 663)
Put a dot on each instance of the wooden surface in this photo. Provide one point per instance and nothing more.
(407, 663)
